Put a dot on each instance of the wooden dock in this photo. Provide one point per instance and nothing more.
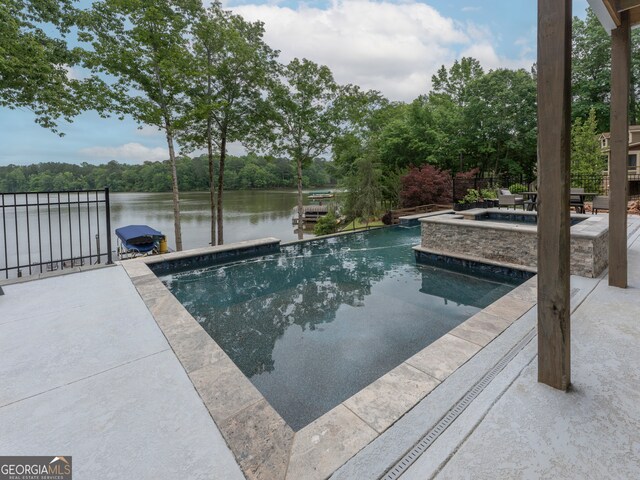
(311, 213)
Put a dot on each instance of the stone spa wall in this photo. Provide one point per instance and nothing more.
(463, 236)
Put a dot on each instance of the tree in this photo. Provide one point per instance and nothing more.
(326, 225)
(232, 66)
(424, 186)
(35, 66)
(500, 122)
(142, 46)
(364, 191)
(455, 82)
(586, 156)
(591, 71)
(307, 115)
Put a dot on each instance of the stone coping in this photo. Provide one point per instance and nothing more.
(262, 442)
(591, 227)
(167, 257)
(418, 216)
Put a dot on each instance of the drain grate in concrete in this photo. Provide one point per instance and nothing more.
(412, 455)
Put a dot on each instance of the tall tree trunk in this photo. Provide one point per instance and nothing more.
(174, 186)
(633, 105)
(223, 155)
(300, 208)
(212, 183)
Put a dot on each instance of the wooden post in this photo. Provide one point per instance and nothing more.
(618, 184)
(554, 149)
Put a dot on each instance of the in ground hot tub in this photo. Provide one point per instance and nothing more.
(507, 240)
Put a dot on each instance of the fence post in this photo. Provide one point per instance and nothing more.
(453, 193)
(108, 214)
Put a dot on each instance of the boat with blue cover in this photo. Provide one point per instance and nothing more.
(138, 240)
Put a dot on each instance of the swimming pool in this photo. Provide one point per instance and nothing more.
(315, 323)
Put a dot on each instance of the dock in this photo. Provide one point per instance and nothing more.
(311, 213)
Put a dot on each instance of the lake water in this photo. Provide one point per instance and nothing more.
(248, 214)
(39, 233)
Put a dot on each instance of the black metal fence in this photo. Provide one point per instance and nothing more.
(517, 183)
(47, 231)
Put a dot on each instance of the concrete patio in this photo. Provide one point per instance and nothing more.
(519, 428)
(87, 372)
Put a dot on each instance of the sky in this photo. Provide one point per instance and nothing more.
(391, 46)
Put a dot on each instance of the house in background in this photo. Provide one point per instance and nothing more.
(633, 159)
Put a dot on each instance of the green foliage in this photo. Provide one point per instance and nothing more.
(455, 82)
(488, 194)
(501, 122)
(230, 66)
(591, 72)
(306, 115)
(587, 160)
(364, 191)
(470, 120)
(35, 61)
(326, 225)
(517, 188)
(586, 154)
(471, 196)
(246, 172)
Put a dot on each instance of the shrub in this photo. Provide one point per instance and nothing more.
(517, 188)
(326, 225)
(472, 196)
(425, 185)
(488, 194)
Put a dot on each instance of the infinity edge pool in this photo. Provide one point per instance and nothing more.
(262, 442)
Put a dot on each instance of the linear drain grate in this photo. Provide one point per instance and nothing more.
(426, 441)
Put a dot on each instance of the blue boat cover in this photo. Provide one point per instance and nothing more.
(139, 237)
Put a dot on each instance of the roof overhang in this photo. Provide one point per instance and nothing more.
(608, 12)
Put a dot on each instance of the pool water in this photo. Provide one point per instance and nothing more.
(514, 217)
(317, 322)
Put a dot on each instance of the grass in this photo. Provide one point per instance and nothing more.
(358, 224)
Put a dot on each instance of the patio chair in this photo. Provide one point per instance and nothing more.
(577, 201)
(507, 199)
(600, 203)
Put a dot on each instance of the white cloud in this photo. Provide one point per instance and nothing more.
(391, 47)
(127, 153)
(149, 131)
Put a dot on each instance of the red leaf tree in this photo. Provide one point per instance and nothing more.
(425, 185)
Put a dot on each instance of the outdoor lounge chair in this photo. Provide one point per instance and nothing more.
(600, 203)
(507, 199)
(577, 201)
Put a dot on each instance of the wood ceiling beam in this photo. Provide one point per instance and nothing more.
(622, 5)
(634, 16)
(611, 7)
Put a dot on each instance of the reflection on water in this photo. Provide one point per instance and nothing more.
(248, 214)
(316, 323)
